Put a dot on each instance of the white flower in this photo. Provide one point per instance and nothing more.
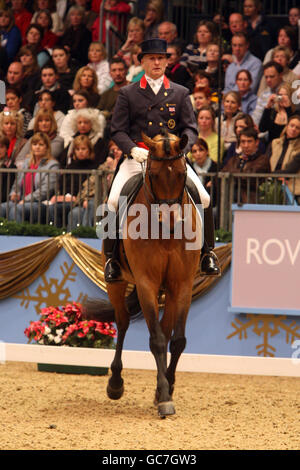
(41, 341)
(47, 330)
(60, 332)
(57, 339)
(50, 337)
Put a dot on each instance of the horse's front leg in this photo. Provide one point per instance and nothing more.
(116, 293)
(158, 346)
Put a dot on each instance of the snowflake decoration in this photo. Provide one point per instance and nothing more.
(266, 327)
(52, 291)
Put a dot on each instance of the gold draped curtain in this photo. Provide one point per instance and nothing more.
(20, 267)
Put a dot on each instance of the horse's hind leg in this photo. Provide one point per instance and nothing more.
(116, 293)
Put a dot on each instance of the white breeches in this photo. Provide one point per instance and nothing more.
(130, 167)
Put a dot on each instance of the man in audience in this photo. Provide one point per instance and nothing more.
(168, 32)
(14, 75)
(273, 76)
(243, 59)
(118, 72)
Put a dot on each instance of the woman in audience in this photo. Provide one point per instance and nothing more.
(82, 158)
(175, 71)
(66, 66)
(243, 82)
(154, 16)
(77, 37)
(201, 161)
(6, 179)
(46, 102)
(287, 37)
(11, 125)
(86, 121)
(44, 19)
(206, 126)
(200, 97)
(14, 99)
(45, 122)
(31, 69)
(277, 112)
(50, 5)
(231, 107)
(89, 15)
(135, 70)
(34, 38)
(212, 58)
(285, 149)
(86, 79)
(10, 34)
(194, 56)
(31, 188)
(98, 61)
(135, 35)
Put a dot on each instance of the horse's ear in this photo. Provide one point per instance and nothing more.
(148, 141)
(183, 141)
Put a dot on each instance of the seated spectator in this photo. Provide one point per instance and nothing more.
(135, 35)
(6, 179)
(225, 31)
(200, 97)
(31, 78)
(98, 61)
(168, 32)
(22, 16)
(135, 70)
(66, 67)
(11, 125)
(212, 56)
(34, 38)
(259, 28)
(14, 101)
(14, 75)
(86, 122)
(10, 34)
(273, 76)
(282, 55)
(50, 5)
(44, 19)
(294, 17)
(115, 11)
(231, 107)
(206, 126)
(201, 161)
(49, 79)
(83, 212)
(153, 16)
(89, 15)
(30, 189)
(243, 83)
(237, 24)
(86, 79)
(82, 158)
(46, 102)
(77, 37)
(242, 121)
(277, 112)
(176, 72)
(243, 59)
(44, 122)
(249, 161)
(194, 55)
(118, 72)
(80, 100)
(287, 37)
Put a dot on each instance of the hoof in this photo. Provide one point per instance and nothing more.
(114, 393)
(166, 408)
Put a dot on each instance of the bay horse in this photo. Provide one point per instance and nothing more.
(153, 264)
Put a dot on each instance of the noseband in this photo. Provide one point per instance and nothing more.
(177, 200)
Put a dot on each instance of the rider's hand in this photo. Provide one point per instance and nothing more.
(139, 154)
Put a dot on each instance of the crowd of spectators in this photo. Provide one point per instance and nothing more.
(62, 82)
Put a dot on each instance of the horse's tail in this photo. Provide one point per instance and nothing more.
(102, 310)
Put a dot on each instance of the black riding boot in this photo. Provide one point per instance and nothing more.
(112, 270)
(209, 265)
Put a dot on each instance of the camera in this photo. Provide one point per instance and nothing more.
(278, 98)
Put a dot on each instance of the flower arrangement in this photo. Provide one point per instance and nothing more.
(65, 326)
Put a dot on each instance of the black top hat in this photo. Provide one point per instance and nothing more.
(153, 46)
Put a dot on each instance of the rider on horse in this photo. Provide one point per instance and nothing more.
(151, 105)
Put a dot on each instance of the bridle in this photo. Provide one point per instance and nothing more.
(151, 191)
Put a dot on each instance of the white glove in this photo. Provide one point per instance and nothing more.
(139, 154)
